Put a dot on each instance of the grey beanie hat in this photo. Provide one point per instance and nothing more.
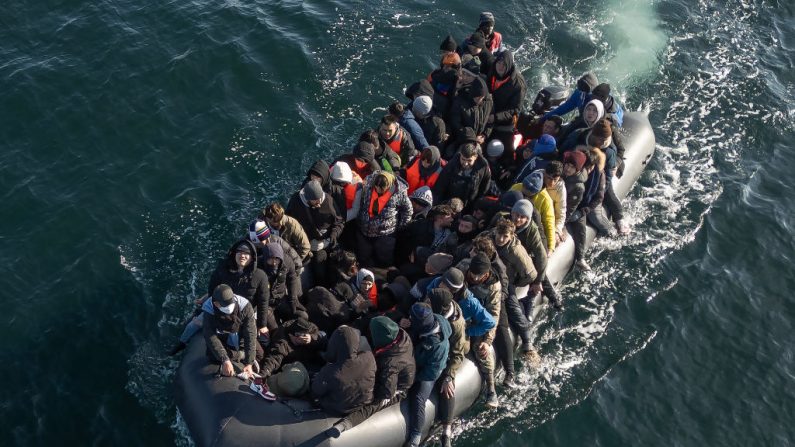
(523, 207)
(313, 191)
(422, 106)
(486, 17)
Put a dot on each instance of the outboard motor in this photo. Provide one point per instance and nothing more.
(546, 99)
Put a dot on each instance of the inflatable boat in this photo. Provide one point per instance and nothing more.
(223, 411)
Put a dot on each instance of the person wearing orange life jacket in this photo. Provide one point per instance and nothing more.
(397, 138)
(424, 170)
(346, 189)
(361, 160)
(384, 209)
(507, 87)
(493, 39)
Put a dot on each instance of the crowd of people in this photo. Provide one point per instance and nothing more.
(425, 244)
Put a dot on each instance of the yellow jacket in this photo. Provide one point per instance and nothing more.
(546, 208)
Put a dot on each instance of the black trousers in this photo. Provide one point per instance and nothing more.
(361, 414)
(375, 251)
(612, 204)
(503, 346)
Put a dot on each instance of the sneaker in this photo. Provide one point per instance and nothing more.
(582, 265)
(491, 401)
(622, 228)
(532, 357)
(509, 381)
(177, 349)
(446, 441)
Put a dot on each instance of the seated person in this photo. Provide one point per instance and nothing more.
(395, 368)
(230, 331)
(297, 341)
(430, 334)
(346, 382)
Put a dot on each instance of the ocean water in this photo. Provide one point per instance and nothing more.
(139, 139)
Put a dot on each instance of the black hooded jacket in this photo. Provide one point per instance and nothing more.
(395, 367)
(318, 223)
(347, 381)
(320, 169)
(284, 282)
(251, 283)
(453, 182)
(507, 96)
(466, 113)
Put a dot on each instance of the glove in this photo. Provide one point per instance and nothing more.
(620, 167)
(316, 245)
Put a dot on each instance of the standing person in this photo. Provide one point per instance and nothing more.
(532, 188)
(361, 160)
(433, 127)
(346, 187)
(431, 334)
(228, 328)
(285, 285)
(287, 228)
(316, 213)
(465, 177)
(472, 108)
(444, 81)
(493, 39)
(528, 234)
(408, 122)
(424, 170)
(392, 134)
(508, 88)
(239, 271)
(385, 208)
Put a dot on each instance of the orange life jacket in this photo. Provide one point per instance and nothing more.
(415, 180)
(381, 202)
(350, 194)
(372, 295)
(396, 142)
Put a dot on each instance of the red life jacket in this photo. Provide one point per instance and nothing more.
(496, 41)
(396, 142)
(380, 200)
(495, 83)
(415, 180)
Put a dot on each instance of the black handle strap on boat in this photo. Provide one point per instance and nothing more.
(297, 412)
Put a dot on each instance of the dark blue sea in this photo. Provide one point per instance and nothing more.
(139, 138)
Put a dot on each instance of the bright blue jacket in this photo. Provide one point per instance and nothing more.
(408, 122)
(479, 320)
(579, 99)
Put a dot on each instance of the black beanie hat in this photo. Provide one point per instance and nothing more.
(448, 44)
(479, 264)
(477, 40)
(478, 88)
(441, 300)
(364, 151)
(601, 92)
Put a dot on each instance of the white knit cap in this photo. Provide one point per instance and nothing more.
(341, 172)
